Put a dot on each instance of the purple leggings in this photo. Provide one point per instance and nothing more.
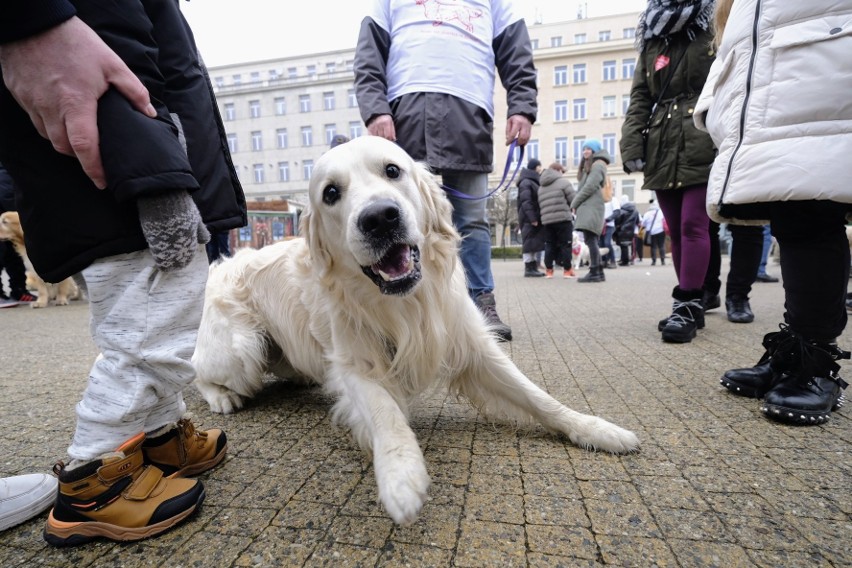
(689, 229)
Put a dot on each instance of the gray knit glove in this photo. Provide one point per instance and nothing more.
(173, 228)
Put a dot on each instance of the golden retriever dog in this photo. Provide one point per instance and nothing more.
(372, 304)
(61, 293)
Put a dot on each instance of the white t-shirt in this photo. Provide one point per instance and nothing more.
(443, 46)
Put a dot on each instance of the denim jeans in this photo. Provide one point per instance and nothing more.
(470, 218)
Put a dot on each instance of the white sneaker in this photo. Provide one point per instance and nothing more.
(22, 497)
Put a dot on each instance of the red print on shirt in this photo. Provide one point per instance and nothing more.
(440, 11)
(661, 62)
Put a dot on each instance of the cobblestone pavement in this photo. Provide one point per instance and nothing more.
(715, 484)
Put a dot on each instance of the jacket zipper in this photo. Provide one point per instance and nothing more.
(745, 102)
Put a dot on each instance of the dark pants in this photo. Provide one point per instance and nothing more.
(746, 251)
(814, 265)
(658, 245)
(639, 247)
(218, 246)
(605, 241)
(14, 266)
(591, 240)
(557, 243)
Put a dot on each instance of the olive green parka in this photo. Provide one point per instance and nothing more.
(678, 155)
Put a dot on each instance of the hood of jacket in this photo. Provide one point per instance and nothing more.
(529, 174)
(549, 176)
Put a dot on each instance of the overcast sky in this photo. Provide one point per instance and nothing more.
(229, 31)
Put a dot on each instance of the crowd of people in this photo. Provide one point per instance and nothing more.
(122, 175)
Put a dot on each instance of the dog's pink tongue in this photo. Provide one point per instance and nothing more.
(396, 263)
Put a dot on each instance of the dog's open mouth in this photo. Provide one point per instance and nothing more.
(398, 271)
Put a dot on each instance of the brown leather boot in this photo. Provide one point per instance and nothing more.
(182, 451)
(119, 498)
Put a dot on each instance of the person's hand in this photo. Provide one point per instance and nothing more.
(58, 76)
(172, 227)
(382, 125)
(631, 166)
(518, 126)
(535, 223)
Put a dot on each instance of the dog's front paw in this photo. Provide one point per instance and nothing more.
(403, 486)
(61, 301)
(220, 399)
(598, 434)
(40, 303)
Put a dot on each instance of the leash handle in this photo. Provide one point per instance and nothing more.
(500, 186)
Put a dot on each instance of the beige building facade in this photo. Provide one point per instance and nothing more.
(281, 114)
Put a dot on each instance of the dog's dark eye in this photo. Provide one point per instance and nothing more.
(330, 195)
(392, 171)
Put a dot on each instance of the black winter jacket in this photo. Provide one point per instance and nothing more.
(626, 223)
(68, 223)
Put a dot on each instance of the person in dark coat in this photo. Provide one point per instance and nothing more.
(529, 217)
(626, 224)
(658, 138)
(409, 91)
(112, 136)
(10, 260)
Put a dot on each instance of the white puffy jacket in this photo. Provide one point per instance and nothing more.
(778, 105)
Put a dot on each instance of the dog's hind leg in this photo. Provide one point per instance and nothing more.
(497, 387)
(379, 425)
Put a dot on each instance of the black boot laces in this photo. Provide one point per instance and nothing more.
(803, 358)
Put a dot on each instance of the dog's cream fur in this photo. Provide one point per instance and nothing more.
(579, 251)
(61, 293)
(305, 307)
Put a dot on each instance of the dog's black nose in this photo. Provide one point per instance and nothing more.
(379, 218)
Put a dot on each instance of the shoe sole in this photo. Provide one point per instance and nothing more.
(61, 533)
(200, 467)
(741, 390)
(30, 510)
(679, 338)
(801, 417)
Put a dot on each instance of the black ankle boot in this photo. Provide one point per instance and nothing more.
(596, 274)
(758, 380)
(531, 270)
(687, 316)
(811, 389)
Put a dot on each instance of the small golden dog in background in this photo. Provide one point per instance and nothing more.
(10, 230)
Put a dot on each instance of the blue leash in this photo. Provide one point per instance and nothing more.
(500, 186)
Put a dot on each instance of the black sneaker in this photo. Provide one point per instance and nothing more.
(682, 325)
(739, 310)
(488, 306)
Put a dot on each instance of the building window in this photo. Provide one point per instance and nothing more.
(273, 75)
(330, 67)
(350, 64)
(292, 72)
(608, 141)
(560, 151)
(627, 68)
(312, 70)
(579, 72)
(579, 106)
(258, 173)
(532, 150)
(609, 70)
(608, 107)
(605, 35)
(625, 103)
(232, 143)
(283, 171)
(556, 41)
(355, 129)
(628, 189)
(307, 169)
(307, 136)
(628, 33)
(579, 38)
(534, 44)
(237, 79)
(560, 111)
(351, 99)
(230, 112)
(330, 132)
(578, 149)
(280, 106)
(328, 101)
(304, 103)
(255, 76)
(281, 138)
(220, 82)
(560, 75)
(254, 109)
(256, 141)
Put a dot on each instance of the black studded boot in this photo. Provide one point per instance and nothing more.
(687, 316)
(758, 380)
(811, 389)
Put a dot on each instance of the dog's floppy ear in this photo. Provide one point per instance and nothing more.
(310, 229)
(438, 213)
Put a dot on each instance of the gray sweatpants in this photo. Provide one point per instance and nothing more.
(145, 323)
